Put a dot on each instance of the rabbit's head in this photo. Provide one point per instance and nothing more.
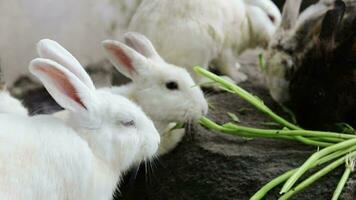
(322, 90)
(264, 18)
(288, 45)
(164, 91)
(116, 129)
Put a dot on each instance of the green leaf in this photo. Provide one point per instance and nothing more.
(345, 128)
(243, 110)
(270, 124)
(248, 138)
(233, 117)
(178, 126)
(211, 106)
(262, 62)
(290, 113)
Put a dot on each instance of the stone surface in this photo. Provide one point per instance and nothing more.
(209, 165)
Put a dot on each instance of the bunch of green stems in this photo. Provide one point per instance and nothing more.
(336, 148)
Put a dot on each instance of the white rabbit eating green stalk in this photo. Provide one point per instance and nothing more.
(42, 157)
(210, 32)
(166, 93)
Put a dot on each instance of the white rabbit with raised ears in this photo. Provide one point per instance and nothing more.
(166, 93)
(210, 32)
(9, 104)
(42, 157)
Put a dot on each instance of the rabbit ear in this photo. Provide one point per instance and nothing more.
(2, 80)
(308, 23)
(330, 24)
(68, 91)
(141, 44)
(346, 39)
(353, 48)
(126, 60)
(290, 13)
(52, 50)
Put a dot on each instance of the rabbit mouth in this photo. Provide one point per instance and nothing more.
(190, 117)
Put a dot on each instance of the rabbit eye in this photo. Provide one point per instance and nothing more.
(285, 63)
(130, 123)
(272, 18)
(172, 85)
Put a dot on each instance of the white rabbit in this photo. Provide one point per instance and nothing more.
(43, 158)
(9, 104)
(210, 32)
(165, 92)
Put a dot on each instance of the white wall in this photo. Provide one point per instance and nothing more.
(79, 25)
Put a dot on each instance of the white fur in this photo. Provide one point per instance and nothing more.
(9, 104)
(82, 158)
(149, 74)
(195, 32)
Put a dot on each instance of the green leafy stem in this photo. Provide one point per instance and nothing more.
(338, 148)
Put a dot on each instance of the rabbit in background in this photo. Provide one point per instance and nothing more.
(311, 63)
(166, 93)
(105, 134)
(9, 104)
(193, 32)
(323, 88)
(289, 44)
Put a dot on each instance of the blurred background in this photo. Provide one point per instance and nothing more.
(78, 25)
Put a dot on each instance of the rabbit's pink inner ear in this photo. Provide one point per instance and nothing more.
(122, 58)
(63, 82)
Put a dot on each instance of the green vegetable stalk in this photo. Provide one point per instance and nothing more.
(306, 166)
(281, 179)
(256, 102)
(337, 147)
(350, 166)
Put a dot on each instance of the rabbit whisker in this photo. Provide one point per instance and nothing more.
(134, 175)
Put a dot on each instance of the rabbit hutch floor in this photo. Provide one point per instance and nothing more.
(208, 165)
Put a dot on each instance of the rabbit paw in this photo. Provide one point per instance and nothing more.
(170, 140)
(236, 74)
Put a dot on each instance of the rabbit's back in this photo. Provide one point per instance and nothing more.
(189, 32)
(9, 104)
(36, 155)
